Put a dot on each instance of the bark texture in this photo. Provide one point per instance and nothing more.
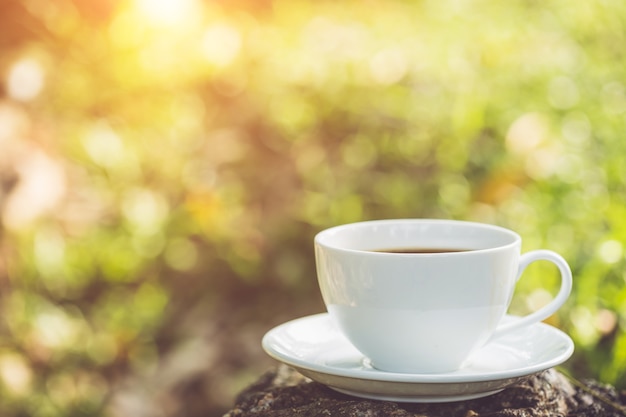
(283, 392)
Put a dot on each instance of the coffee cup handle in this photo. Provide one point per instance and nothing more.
(546, 311)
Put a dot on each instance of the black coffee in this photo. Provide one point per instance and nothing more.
(421, 250)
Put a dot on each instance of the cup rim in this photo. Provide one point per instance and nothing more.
(321, 238)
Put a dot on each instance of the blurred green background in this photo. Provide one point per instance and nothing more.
(165, 164)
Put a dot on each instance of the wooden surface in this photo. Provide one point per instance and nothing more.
(283, 392)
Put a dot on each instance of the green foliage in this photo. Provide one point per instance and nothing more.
(167, 163)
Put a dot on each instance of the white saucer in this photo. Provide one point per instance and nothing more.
(316, 348)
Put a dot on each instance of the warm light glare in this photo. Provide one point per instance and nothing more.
(389, 66)
(104, 145)
(526, 134)
(25, 80)
(221, 44)
(13, 123)
(168, 12)
(15, 373)
(41, 186)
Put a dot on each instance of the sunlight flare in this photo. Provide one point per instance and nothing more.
(168, 12)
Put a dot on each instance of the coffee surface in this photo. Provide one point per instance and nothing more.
(421, 250)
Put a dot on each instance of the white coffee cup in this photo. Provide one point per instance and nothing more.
(425, 312)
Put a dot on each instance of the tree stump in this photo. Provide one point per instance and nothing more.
(283, 392)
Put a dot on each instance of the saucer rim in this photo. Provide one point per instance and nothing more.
(441, 378)
(420, 398)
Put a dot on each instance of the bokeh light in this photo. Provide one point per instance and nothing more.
(168, 12)
(165, 164)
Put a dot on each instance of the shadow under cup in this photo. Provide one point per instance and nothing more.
(420, 296)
